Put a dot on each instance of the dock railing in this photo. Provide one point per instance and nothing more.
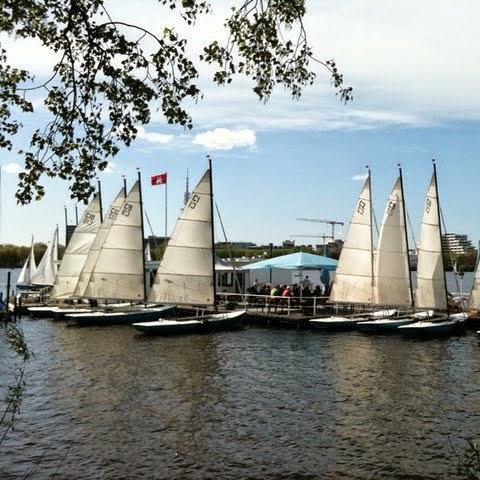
(275, 304)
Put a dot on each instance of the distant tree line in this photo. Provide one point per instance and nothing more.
(14, 256)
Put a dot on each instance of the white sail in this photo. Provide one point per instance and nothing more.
(118, 270)
(474, 299)
(28, 268)
(185, 274)
(148, 253)
(98, 244)
(353, 282)
(77, 251)
(431, 288)
(47, 268)
(392, 275)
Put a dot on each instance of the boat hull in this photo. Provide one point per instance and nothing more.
(120, 318)
(443, 326)
(209, 323)
(384, 325)
(335, 324)
(42, 312)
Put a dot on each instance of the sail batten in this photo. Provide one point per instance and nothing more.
(431, 288)
(118, 271)
(77, 251)
(392, 269)
(353, 282)
(185, 274)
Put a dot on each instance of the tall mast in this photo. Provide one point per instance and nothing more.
(440, 230)
(371, 234)
(213, 235)
(406, 235)
(187, 192)
(66, 225)
(124, 186)
(143, 236)
(100, 199)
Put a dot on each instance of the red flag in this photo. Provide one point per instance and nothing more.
(159, 179)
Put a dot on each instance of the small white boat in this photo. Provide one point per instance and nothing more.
(447, 325)
(349, 323)
(119, 318)
(384, 325)
(60, 313)
(186, 274)
(208, 323)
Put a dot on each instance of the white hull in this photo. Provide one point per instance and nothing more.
(443, 326)
(208, 323)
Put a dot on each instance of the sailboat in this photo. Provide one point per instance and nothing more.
(77, 251)
(115, 267)
(473, 304)
(28, 270)
(431, 292)
(393, 283)
(46, 270)
(73, 260)
(354, 277)
(186, 275)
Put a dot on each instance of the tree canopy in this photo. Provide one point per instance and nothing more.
(107, 79)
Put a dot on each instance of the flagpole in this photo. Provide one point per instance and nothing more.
(166, 208)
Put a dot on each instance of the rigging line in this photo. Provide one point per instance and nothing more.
(455, 271)
(375, 221)
(151, 229)
(235, 276)
(411, 230)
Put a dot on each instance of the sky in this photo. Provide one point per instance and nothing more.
(414, 72)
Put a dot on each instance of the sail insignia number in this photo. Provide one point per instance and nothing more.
(113, 213)
(428, 205)
(361, 207)
(127, 209)
(194, 202)
(89, 218)
(391, 207)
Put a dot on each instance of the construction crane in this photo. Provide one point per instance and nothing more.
(333, 223)
(317, 236)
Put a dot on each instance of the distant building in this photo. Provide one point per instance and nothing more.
(235, 244)
(288, 243)
(334, 248)
(456, 243)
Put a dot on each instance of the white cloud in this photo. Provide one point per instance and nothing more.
(110, 168)
(12, 167)
(154, 137)
(394, 60)
(364, 176)
(225, 139)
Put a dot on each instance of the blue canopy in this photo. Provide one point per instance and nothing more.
(295, 261)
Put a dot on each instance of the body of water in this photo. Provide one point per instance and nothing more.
(109, 403)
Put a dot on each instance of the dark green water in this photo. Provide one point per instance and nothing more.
(255, 404)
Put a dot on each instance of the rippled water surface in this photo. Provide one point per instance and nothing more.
(256, 404)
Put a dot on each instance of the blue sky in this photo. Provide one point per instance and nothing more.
(415, 99)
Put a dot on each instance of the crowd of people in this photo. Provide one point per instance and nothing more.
(304, 289)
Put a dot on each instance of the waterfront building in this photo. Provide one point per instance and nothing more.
(456, 243)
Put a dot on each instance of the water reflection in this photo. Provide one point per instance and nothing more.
(250, 404)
